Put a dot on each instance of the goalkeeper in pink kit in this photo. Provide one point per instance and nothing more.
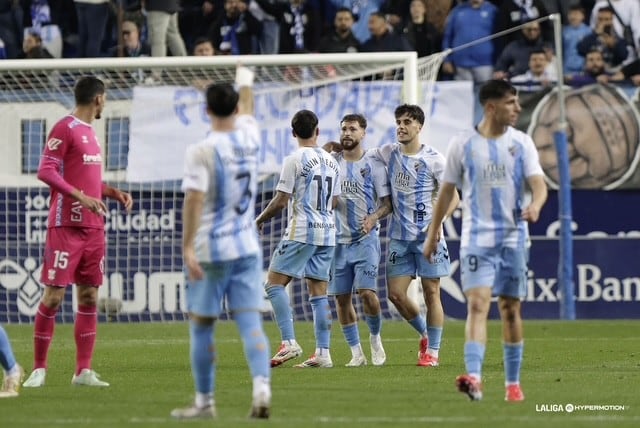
(75, 245)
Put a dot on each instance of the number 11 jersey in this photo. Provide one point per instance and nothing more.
(311, 176)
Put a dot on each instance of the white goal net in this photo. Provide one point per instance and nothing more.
(154, 109)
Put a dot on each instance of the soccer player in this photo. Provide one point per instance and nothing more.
(497, 169)
(13, 372)
(364, 199)
(75, 244)
(221, 249)
(415, 172)
(309, 185)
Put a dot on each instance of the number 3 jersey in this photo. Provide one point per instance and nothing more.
(414, 181)
(225, 167)
(311, 176)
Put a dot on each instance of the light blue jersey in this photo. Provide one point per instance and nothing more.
(362, 183)
(312, 177)
(414, 181)
(225, 167)
(492, 174)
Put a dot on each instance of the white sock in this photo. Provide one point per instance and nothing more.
(261, 385)
(204, 400)
(356, 350)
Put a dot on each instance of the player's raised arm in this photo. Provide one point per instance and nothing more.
(244, 83)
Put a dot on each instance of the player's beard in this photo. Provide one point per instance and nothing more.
(349, 144)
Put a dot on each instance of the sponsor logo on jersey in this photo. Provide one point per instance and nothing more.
(92, 159)
(53, 143)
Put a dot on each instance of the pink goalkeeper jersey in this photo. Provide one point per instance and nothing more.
(72, 159)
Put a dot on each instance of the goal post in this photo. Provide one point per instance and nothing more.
(154, 108)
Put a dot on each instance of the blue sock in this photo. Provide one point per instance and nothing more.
(419, 323)
(474, 357)
(351, 334)
(203, 366)
(282, 310)
(256, 346)
(435, 337)
(321, 321)
(512, 361)
(374, 322)
(7, 359)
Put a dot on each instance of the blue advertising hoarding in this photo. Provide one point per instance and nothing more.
(144, 265)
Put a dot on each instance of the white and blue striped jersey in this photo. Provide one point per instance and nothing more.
(311, 176)
(225, 167)
(492, 174)
(414, 181)
(362, 184)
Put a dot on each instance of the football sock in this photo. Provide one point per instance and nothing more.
(282, 311)
(45, 323)
(321, 320)
(420, 324)
(473, 358)
(351, 334)
(85, 335)
(512, 353)
(7, 359)
(374, 322)
(256, 346)
(203, 354)
(435, 337)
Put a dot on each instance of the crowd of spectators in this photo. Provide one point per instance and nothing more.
(601, 38)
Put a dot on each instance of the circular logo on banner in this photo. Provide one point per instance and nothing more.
(603, 136)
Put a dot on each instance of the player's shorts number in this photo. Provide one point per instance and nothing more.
(61, 259)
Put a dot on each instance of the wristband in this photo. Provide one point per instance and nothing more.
(244, 76)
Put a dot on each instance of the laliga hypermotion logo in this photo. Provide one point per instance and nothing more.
(22, 278)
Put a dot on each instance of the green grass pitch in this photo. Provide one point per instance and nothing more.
(581, 363)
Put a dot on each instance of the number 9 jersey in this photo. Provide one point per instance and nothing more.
(225, 167)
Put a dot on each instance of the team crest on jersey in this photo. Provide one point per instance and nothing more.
(365, 171)
(85, 140)
(53, 143)
(417, 166)
(513, 150)
(51, 274)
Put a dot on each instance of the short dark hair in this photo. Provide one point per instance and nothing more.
(304, 123)
(537, 51)
(378, 14)
(222, 99)
(355, 117)
(412, 110)
(576, 7)
(200, 40)
(87, 89)
(495, 90)
(345, 9)
(606, 9)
